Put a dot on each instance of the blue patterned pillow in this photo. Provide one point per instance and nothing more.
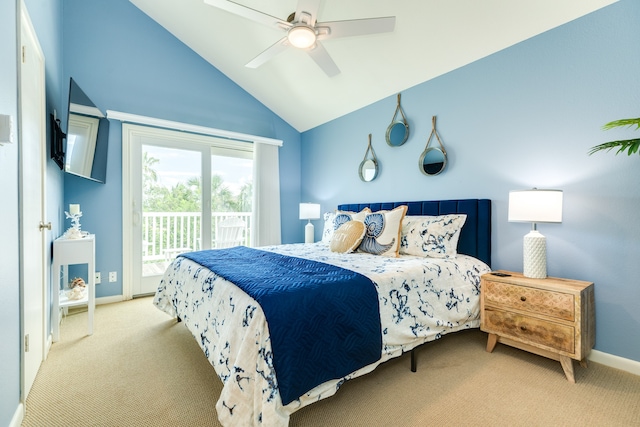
(383, 232)
(431, 236)
(333, 220)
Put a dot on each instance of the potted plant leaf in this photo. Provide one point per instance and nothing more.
(629, 145)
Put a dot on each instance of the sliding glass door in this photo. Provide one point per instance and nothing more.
(187, 192)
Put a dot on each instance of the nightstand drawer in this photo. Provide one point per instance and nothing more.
(530, 329)
(555, 304)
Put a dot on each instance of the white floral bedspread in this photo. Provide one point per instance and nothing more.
(421, 299)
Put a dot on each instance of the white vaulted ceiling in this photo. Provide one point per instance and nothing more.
(431, 37)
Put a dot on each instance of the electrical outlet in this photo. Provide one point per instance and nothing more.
(98, 278)
(113, 276)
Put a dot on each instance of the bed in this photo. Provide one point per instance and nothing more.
(419, 299)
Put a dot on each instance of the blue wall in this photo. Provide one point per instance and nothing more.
(523, 117)
(124, 61)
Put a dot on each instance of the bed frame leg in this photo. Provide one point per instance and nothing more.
(413, 360)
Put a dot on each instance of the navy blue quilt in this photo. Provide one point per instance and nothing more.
(324, 320)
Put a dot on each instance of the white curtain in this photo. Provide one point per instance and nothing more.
(266, 196)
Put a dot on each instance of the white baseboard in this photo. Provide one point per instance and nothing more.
(18, 416)
(109, 300)
(616, 362)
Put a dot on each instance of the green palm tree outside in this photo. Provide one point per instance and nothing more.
(187, 197)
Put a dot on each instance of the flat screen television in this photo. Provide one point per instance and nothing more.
(87, 137)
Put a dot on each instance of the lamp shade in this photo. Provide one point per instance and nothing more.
(309, 210)
(535, 205)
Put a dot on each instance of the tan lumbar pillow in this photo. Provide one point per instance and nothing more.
(347, 237)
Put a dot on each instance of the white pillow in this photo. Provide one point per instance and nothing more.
(333, 220)
(383, 232)
(327, 231)
(431, 236)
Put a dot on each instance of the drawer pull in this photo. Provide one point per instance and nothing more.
(523, 328)
(523, 298)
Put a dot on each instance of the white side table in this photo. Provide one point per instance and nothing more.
(68, 252)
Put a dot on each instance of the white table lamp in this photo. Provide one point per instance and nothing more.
(535, 206)
(309, 211)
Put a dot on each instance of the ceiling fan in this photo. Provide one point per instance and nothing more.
(304, 32)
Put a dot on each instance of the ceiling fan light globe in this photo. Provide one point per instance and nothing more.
(301, 36)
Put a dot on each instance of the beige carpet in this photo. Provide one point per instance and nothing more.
(141, 368)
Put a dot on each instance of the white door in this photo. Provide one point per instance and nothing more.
(32, 152)
(168, 207)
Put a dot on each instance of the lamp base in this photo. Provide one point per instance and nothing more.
(535, 255)
(308, 233)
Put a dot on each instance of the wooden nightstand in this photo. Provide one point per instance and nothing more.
(552, 317)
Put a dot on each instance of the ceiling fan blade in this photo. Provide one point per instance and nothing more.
(324, 61)
(356, 27)
(310, 8)
(247, 12)
(269, 53)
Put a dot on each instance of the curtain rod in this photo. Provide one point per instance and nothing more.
(168, 124)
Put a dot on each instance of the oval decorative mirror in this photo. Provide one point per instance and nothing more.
(369, 166)
(398, 131)
(433, 160)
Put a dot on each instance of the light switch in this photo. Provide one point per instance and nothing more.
(6, 127)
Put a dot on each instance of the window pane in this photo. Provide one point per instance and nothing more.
(231, 198)
(171, 205)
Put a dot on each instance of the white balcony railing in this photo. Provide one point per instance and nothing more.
(166, 234)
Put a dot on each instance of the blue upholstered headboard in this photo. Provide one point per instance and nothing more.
(475, 237)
